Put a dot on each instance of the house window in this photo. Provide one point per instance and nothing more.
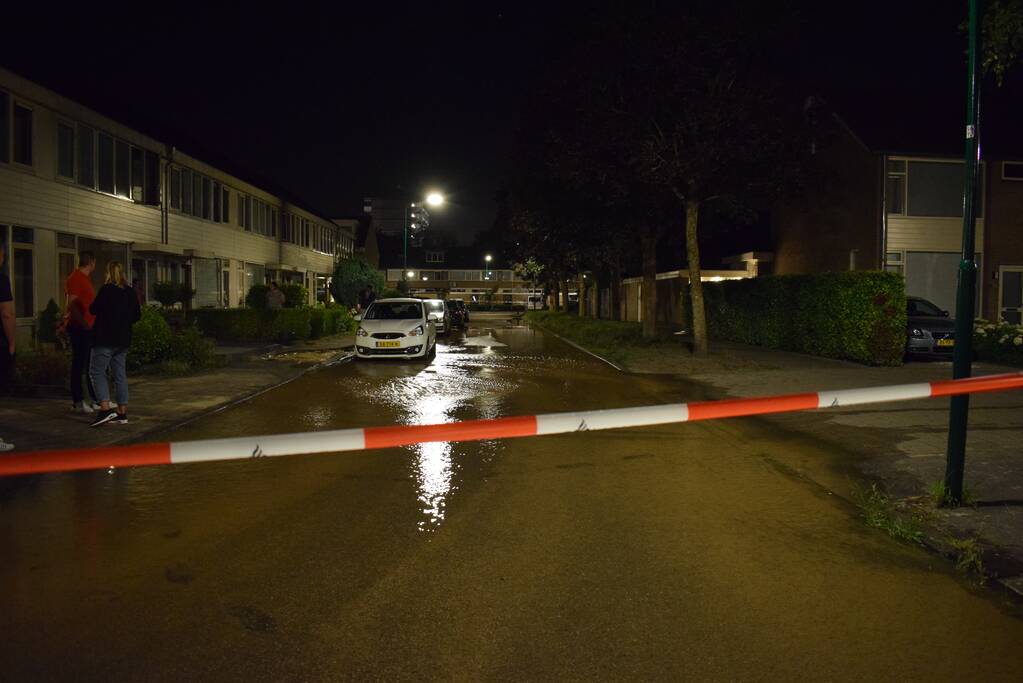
(241, 212)
(206, 195)
(22, 263)
(197, 199)
(86, 157)
(5, 122)
(893, 262)
(122, 170)
(105, 166)
(22, 135)
(1012, 170)
(151, 195)
(435, 257)
(138, 173)
(935, 189)
(895, 190)
(186, 191)
(227, 206)
(216, 201)
(175, 188)
(65, 151)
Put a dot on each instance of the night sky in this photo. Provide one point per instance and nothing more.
(336, 105)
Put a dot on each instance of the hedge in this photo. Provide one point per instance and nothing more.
(279, 325)
(999, 342)
(857, 315)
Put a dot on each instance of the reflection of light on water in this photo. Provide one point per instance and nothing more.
(433, 475)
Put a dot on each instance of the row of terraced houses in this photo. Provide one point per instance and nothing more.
(72, 180)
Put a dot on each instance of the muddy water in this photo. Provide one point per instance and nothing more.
(701, 550)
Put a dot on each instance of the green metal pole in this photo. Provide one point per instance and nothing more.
(962, 359)
(404, 245)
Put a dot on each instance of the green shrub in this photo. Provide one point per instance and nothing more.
(150, 338)
(390, 293)
(295, 295)
(170, 293)
(49, 368)
(189, 346)
(318, 316)
(46, 329)
(856, 315)
(256, 298)
(229, 324)
(286, 324)
(999, 342)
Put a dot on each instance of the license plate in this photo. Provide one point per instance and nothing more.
(388, 344)
(946, 342)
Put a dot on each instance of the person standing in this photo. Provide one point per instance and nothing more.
(79, 295)
(116, 309)
(275, 297)
(7, 341)
(371, 296)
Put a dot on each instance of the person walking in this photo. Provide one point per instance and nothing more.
(275, 297)
(7, 341)
(116, 309)
(79, 295)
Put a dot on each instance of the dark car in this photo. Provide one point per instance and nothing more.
(463, 308)
(929, 330)
(455, 313)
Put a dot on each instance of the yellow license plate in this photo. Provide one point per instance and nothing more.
(388, 344)
(946, 342)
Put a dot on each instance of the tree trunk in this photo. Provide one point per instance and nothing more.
(700, 344)
(616, 289)
(582, 296)
(556, 296)
(648, 241)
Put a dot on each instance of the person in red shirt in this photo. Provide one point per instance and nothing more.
(79, 295)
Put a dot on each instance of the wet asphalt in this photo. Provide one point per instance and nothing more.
(722, 550)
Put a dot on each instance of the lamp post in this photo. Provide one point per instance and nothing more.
(433, 199)
(486, 266)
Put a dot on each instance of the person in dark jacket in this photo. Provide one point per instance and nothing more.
(116, 308)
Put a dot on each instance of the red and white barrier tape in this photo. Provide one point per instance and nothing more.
(474, 430)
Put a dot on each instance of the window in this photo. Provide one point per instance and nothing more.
(138, 173)
(248, 213)
(207, 208)
(22, 135)
(216, 201)
(435, 257)
(122, 170)
(175, 188)
(197, 205)
(186, 191)
(1012, 170)
(86, 157)
(935, 189)
(105, 166)
(895, 190)
(22, 262)
(227, 206)
(241, 212)
(151, 194)
(65, 151)
(5, 122)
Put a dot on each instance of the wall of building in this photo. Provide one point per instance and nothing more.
(1003, 242)
(839, 211)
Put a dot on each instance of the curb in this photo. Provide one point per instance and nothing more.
(579, 347)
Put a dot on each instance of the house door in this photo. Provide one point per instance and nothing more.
(1010, 294)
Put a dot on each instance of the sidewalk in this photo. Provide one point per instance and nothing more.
(158, 403)
(901, 445)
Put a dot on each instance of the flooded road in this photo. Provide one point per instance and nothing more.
(684, 551)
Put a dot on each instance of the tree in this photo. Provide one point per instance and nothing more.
(350, 277)
(1002, 38)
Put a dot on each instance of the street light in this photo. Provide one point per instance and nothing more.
(433, 199)
(486, 271)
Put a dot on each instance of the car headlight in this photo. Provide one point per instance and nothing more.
(361, 333)
(917, 333)
(416, 332)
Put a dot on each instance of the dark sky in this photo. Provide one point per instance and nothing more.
(339, 104)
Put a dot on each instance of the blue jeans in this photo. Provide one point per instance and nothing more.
(102, 358)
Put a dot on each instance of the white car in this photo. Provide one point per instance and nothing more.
(438, 312)
(395, 328)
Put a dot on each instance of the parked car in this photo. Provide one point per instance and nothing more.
(929, 330)
(463, 308)
(438, 312)
(395, 327)
(455, 314)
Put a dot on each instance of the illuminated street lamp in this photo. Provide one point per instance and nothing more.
(410, 273)
(486, 268)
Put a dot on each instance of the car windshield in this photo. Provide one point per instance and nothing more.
(452, 306)
(435, 306)
(920, 307)
(394, 310)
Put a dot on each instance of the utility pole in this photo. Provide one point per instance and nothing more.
(962, 358)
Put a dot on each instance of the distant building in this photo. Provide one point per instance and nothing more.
(392, 217)
(73, 180)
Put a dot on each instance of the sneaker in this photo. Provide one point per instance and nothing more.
(120, 419)
(5, 446)
(83, 407)
(96, 405)
(104, 416)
